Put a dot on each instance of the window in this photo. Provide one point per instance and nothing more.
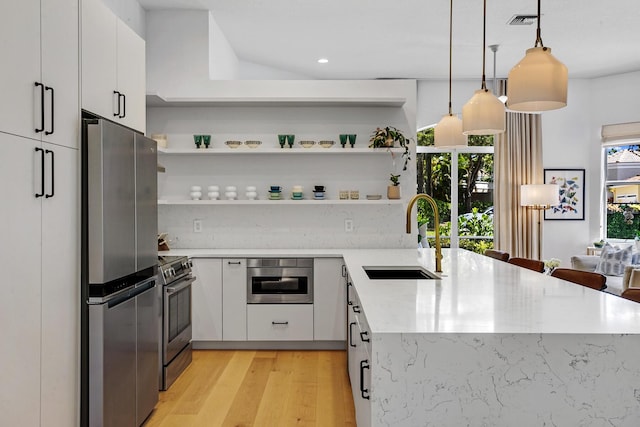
(470, 201)
(622, 189)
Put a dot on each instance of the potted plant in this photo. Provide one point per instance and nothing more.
(393, 190)
(387, 137)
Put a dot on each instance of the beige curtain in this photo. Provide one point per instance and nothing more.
(517, 161)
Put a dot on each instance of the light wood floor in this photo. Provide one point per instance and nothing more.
(258, 388)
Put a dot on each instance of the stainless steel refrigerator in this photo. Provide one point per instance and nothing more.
(121, 302)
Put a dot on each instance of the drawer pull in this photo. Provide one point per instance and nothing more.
(351, 334)
(363, 336)
(234, 262)
(279, 323)
(364, 364)
(356, 309)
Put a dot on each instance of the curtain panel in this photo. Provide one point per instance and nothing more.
(517, 161)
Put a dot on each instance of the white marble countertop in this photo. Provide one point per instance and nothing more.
(476, 294)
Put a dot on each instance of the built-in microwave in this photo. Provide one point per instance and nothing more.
(280, 281)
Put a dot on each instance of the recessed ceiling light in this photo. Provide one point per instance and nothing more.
(323, 61)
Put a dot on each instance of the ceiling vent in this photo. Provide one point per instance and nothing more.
(523, 20)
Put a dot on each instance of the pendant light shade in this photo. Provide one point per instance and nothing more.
(539, 81)
(484, 113)
(448, 131)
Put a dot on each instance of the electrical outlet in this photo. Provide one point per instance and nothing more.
(197, 226)
(348, 225)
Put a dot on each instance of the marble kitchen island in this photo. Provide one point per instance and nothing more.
(492, 344)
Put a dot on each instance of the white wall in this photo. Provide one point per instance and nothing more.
(223, 62)
(177, 50)
(131, 13)
(569, 142)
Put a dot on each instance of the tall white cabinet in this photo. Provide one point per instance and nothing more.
(39, 83)
(39, 140)
(41, 303)
(113, 67)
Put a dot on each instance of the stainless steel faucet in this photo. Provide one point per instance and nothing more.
(436, 216)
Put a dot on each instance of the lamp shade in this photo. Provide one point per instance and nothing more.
(448, 132)
(540, 196)
(538, 82)
(483, 114)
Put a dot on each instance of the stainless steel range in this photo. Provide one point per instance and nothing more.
(177, 278)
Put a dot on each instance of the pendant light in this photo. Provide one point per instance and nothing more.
(483, 114)
(448, 131)
(539, 81)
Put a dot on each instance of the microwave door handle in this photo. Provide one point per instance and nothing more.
(183, 284)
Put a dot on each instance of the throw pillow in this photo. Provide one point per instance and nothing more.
(613, 260)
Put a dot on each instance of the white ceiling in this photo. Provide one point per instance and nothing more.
(366, 39)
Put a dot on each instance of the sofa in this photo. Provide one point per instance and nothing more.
(616, 283)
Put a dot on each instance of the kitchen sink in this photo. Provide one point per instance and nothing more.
(399, 273)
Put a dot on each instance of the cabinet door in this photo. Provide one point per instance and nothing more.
(98, 58)
(60, 71)
(234, 299)
(207, 299)
(60, 288)
(20, 53)
(131, 80)
(329, 295)
(21, 300)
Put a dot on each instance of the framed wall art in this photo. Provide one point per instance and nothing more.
(571, 197)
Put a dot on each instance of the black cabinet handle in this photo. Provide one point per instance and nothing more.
(117, 113)
(349, 302)
(364, 364)
(351, 344)
(49, 132)
(363, 336)
(124, 105)
(38, 130)
(279, 323)
(234, 262)
(344, 270)
(41, 172)
(356, 308)
(52, 174)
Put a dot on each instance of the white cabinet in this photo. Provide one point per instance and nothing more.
(234, 299)
(280, 322)
(359, 358)
(329, 297)
(40, 72)
(113, 67)
(207, 299)
(42, 304)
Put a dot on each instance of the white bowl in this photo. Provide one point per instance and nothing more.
(251, 195)
(213, 195)
(196, 188)
(195, 195)
(230, 188)
(251, 188)
(213, 188)
(233, 144)
(231, 195)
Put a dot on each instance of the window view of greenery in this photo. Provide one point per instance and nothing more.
(474, 193)
(623, 191)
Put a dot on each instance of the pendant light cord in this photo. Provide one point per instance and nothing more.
(538, 36)
(484, 44)
(450, 50)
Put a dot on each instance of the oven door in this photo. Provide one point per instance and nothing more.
(177, 317)
(292, 285)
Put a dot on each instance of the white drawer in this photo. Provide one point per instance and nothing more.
(280, 322)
